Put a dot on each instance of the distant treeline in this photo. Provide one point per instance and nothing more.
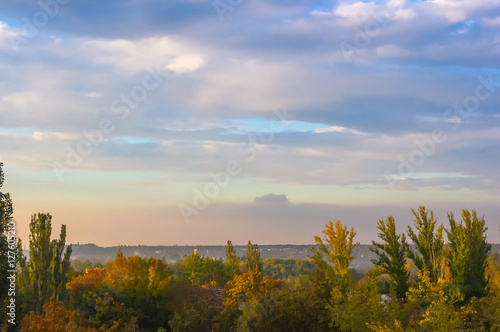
(361, 262)
(95, 253)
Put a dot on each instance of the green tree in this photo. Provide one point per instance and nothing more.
(332, 280)
(286, 268)
(200, 316)
(428, 241)
(466, 254)
(252, 258)
(391, 256)
(232, 260)
(80, 266)
(202, 270)
(6, 240)
(363, 309)
(44, 275)
(288, 309)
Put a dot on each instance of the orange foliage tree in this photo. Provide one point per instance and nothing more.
(55, 318)
(130, 291)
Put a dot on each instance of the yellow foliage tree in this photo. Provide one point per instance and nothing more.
(141, 276)
(337, 248)
(439, 312)
(246, 286)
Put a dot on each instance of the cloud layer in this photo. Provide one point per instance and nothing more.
(387, 103)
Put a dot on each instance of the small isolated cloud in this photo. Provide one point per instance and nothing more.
(272, 198)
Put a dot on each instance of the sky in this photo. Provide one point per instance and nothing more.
(196, 122)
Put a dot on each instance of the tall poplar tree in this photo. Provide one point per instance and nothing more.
(44, 274)
(428, 241)
(391, 255)
(466, 254)
(232, 260)
(252, 258)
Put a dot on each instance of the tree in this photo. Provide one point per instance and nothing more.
(7, 245)
(363, 309)
(129, 291)
(202, 270)
(201, 316)
(391, 255)
(247, 287)
(437, 309)
(286, 268)
(55, 318)
(232, 260)
(252, 258)
(287, 309)
(466, 254)
(91, 280)
(428, 241)
(337, 248)
(44, 275)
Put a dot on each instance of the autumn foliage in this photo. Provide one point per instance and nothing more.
(55, 318)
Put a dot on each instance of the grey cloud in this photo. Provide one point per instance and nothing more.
(272, 198)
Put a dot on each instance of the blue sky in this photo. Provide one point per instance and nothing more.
(178, 122)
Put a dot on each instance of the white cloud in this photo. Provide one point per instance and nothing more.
(8, 37)
(24, 100)
(391, 51)
(39, 136)
(457, 10)
(492, 22)
(131, 56)
(253, 85)
(185, 63)
(360, 12)
(329, 130)
(94, 94)
(310, 152)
